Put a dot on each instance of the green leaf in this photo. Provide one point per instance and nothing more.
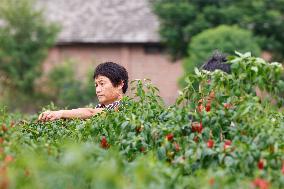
(197, 72)
(254, 68)
(161, 152)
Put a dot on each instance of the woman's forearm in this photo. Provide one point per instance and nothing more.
(81, 113)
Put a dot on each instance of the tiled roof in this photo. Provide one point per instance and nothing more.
(103, 21)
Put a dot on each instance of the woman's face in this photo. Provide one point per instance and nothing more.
(106, 92)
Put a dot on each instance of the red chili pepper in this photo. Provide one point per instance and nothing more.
(196, 139)
(142, 149)
(260, 164)
(210, 143)
(177, 147)
(197, 127)
(227, 105)
(227, 144)
(260, 183)
(208, 108)
(170, 137)
(104, 143)
(4, 128)
(8, 159)
(138, 129)
(200, 108)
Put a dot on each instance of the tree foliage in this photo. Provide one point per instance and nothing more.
(182, 19)
(64, 89)
(25, 37)
(226, 39)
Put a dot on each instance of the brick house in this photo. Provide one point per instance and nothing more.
(122, 31)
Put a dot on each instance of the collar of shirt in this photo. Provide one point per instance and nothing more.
(109, 106)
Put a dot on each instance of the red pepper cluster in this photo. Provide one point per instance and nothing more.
(104, 143)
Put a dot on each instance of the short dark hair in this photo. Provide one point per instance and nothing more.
(217, 61)
(115, 72)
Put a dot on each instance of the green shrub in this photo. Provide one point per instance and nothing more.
(153, 146)
(180, 20)
(226, 39)
(25, 37)
(66, 90)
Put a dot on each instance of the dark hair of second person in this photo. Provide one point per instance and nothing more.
(217, 61)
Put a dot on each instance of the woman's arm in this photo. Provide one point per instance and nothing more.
(81, 113)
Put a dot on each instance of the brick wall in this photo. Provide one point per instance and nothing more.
(141, 61)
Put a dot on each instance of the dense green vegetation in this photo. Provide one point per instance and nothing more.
(235, 141)
(226, 39)
(183, 19)
(25, 38)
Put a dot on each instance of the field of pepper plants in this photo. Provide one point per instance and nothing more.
(219, 134)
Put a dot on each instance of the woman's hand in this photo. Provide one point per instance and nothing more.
(50, 115)
(81, 113)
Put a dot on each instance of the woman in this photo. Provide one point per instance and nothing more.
(111, 82)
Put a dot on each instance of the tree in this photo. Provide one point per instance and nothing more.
(65, 90)
(226, 39)
(24, 40)
(182, 19)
